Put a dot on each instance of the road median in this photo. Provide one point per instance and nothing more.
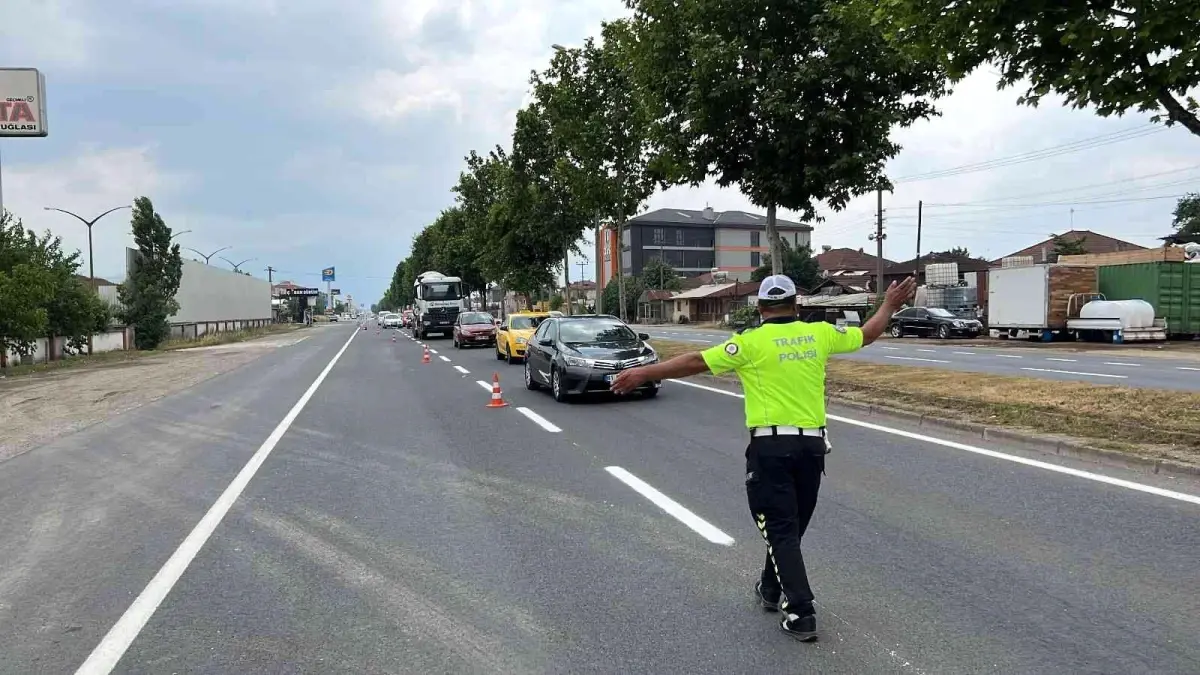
(1152, 428)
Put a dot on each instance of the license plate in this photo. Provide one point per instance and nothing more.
(609, 378)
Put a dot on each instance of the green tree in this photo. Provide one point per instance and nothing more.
(798, 264)
(148, 295)
(1064, 246)
(611, 296)
(1186, 219)
(24, 291)
(796, 106)
(1115, 57)
(658, 275)
(457, 249)
(602, 120)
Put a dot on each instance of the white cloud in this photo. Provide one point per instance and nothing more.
(44, 33)
(91, 182)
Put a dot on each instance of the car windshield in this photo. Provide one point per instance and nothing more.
(435, 292)
(477, 318)
(525, 322)
(938, 311)
(594, 331)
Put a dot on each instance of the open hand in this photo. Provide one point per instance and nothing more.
(627, 380)
(899, 293)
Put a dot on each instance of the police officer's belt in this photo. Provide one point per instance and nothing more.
(819, 432)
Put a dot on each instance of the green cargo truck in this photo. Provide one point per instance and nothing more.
(1172, 287)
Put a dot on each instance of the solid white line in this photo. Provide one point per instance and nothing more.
(1077, 473)
(1008, 356)
(539, 420)
(1051, 358)
(1075, 372)
(1186, 368)
(964, 353)
(931, 351)
(105, 656)
(444, 358)
(462, 370)
(672, 507)
(1115, 363)
(485, 385)
(914, 358)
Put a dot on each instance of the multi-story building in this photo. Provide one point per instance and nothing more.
(694, 242)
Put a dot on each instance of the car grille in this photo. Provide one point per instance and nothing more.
(617, 365)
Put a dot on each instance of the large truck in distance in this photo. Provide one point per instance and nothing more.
(437, 301)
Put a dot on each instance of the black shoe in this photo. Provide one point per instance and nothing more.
(803, 628)
(768, 600)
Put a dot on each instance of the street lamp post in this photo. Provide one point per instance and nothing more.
(237, 266)
(179, 233)
(210, 255)
(91, 257)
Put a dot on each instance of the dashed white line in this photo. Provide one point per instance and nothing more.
(931, 351)
(964, 353)
(485, 385)
(432, 351)
(1008, 356)
(915, 358)
(444, 358)
(539, 420)
(1077, 473)
(699, 525)
(1117, 363)
(1187, 368)
(706, 342)
(112, 647)
(891, 348)
(462, 370)
(1075, 372)
(1051, 358)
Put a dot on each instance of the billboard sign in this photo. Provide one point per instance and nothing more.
(335, 291)
(300, 292)
(328, 275)
(22, 103)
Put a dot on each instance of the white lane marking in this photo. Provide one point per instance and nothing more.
(672, 507)
(485, 385)
(444, 358)
(1075, 372)
(1008, 356)
(915, 358)
(539, 420)
(1117, 363)
(1077, 473)
(432, 351)
(706, 342)
(108, 653)
(462, 370)
(964, 353)
(931, 351)
(891, 348)
(1187, 368)
(1051, 358)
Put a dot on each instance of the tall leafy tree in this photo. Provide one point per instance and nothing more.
(458, 249)
(1114, 57)
(1068, 246)
(796, 105)
(797, 263)
(148, 295)
(1186, 218)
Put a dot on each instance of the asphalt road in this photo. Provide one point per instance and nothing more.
(1108, 367)
(396, 525)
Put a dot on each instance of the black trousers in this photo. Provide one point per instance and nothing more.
(783, 476)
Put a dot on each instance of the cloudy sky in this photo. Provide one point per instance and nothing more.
(306, 134)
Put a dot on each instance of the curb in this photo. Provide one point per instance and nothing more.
(1072, 448)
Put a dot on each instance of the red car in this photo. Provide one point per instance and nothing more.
(474, 329)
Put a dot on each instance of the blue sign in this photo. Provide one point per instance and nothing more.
(327, 274)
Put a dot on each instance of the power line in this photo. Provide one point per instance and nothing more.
(1035, 155)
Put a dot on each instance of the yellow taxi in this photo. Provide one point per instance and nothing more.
(514, 333)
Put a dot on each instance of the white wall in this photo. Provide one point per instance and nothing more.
(110, 341)
(209, 293)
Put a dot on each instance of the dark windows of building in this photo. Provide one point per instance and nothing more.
(754, 240)
(659, 236)
(755, 258)
(699, 260)
(679, 236)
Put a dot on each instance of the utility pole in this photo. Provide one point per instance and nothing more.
(878, 236)
(271, 275)
(582, 265)
(621, 269)
(567, 277)
(601, 252)
(917, 272)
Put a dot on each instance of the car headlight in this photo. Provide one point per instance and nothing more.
(521, 340)
(578, 362)
(958, 324)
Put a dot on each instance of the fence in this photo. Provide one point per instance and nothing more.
(194, 329)
(45, 349)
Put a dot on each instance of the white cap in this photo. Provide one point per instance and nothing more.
(776, 287)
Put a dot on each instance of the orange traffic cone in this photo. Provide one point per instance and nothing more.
(497, 397)
(393, 337)
(425, 358)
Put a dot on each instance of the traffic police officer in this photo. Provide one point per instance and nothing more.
(781, 365)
